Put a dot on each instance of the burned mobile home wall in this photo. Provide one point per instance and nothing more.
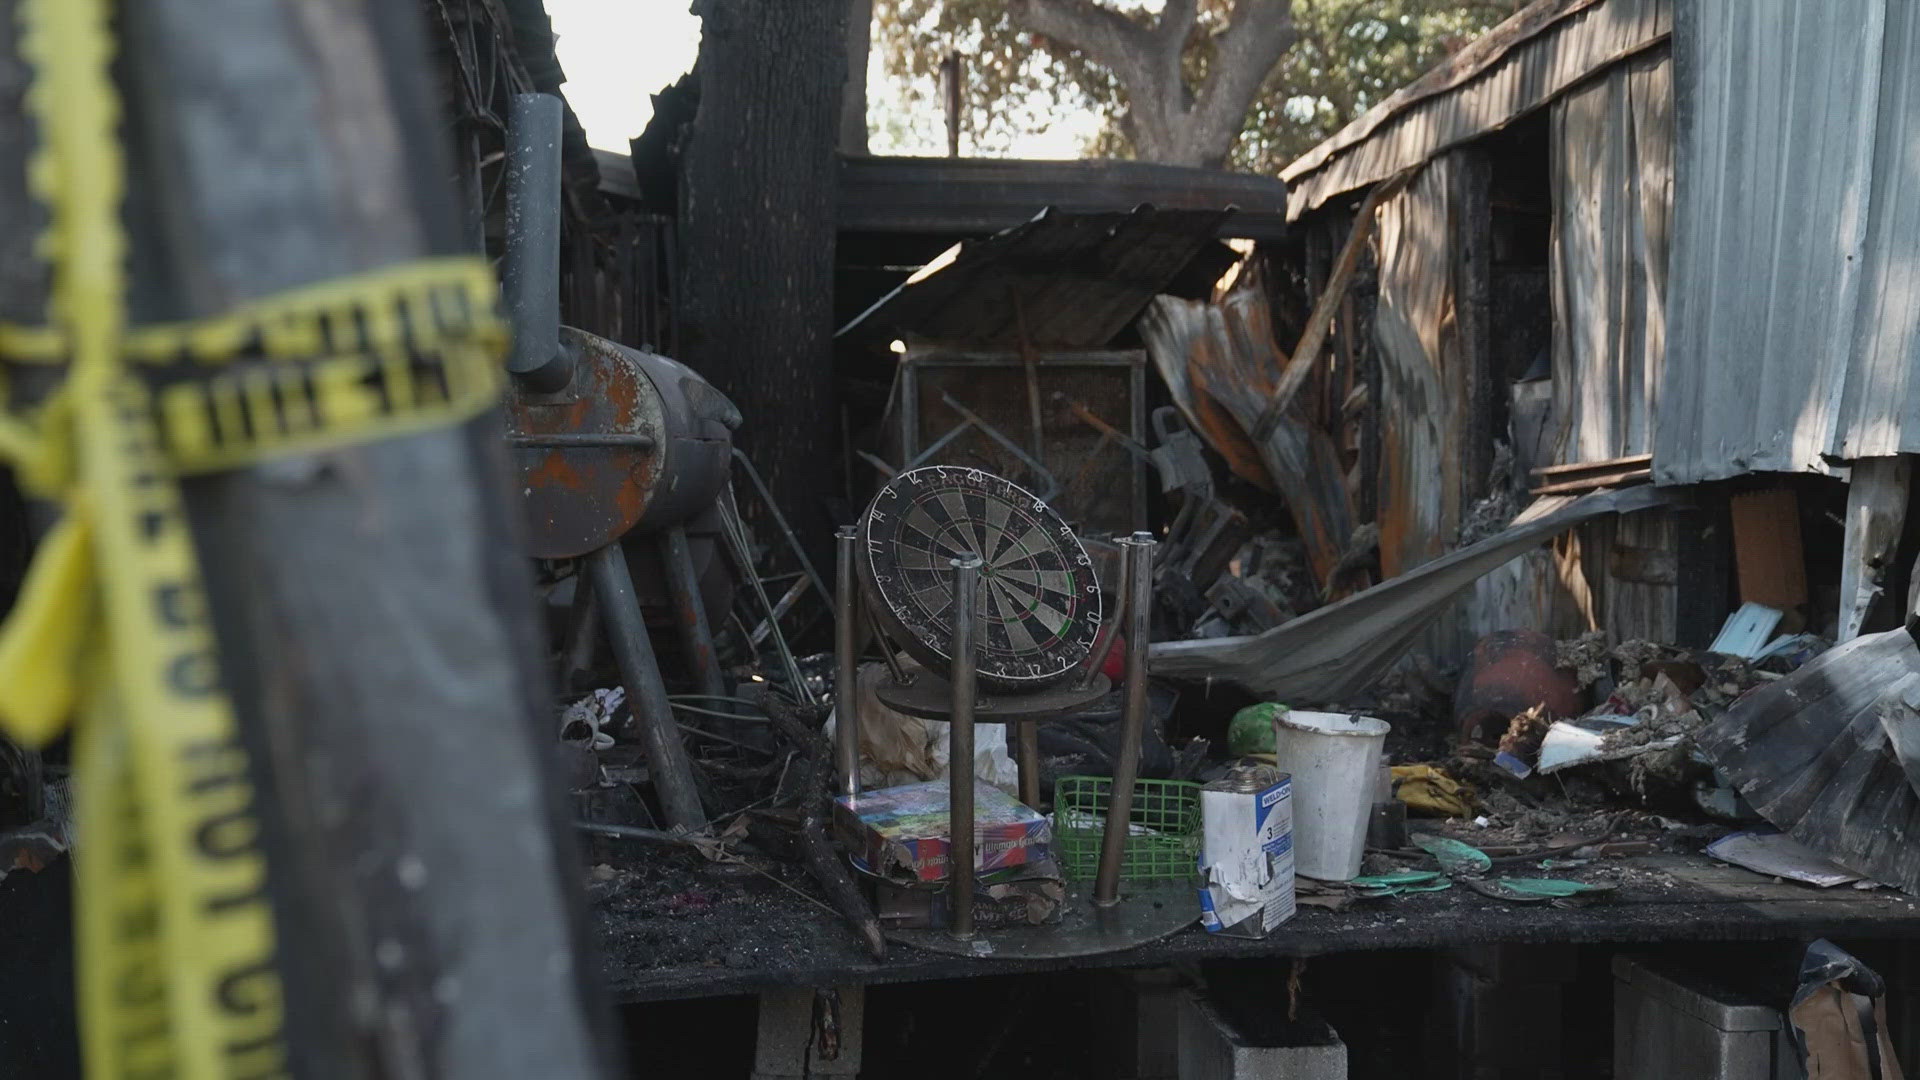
(617, 257)
(1508, 321)
(1795, 306)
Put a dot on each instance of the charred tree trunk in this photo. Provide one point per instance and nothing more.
(757, 232)
(853, 101)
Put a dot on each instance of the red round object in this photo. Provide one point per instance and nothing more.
(1114, 667)
(1510, 672)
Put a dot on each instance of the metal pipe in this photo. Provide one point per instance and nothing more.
(531, 276)
(583, 632)
(629, 832)
(1029, 761)
(1138, 553)
(901, 676)
(779, 519)
(583, 440)
(780, 608)
(646, 694)
(691, 611)
(966, 598)
(846, 686)
(736, 537)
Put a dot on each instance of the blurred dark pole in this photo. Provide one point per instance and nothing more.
(374, 616)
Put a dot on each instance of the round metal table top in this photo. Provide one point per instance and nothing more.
(1039, 601)
(930, 697)
(1144, 914)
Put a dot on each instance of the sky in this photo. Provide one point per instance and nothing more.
(618, 52)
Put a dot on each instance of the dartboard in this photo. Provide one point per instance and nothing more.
(1039, 608)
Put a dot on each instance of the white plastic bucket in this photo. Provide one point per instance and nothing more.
(1334, 759)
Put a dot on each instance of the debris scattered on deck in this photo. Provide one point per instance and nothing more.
(1826, 755)
(1779, 855)
(1455, 858)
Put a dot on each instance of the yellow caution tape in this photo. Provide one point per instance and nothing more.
(177, 943)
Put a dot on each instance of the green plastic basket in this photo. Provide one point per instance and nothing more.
(1163, 842)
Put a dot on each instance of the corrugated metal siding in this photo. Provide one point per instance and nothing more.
(1880, 407)
(1790, 320)
(1613, 200)
(1523, 79)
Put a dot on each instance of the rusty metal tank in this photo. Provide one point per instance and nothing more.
(632, 442)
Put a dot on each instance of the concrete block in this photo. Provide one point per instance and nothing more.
(1668, 1021)
(1219, 1041)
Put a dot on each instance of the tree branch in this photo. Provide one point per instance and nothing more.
(1107, 37)
(1176, 23)
(1259, 34)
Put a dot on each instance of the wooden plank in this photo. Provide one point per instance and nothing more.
(1634, 476)
(1876, 511)
(1770, 564)
(1634, 460)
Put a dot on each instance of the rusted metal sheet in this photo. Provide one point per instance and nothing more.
(1425, 392)
(1517, 67)
(1612, 151)
(1060, 281)
(1222, 360)
(1186, 339)
(1330, 654)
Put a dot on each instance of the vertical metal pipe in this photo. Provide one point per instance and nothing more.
(966, 593)
(1138, 552)
(901, 676)
(583, 632)
(1029, 760)
(690, 611)
(646, 694)
(846, 684)
(531, 276)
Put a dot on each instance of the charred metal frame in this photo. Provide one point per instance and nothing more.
(917, 359)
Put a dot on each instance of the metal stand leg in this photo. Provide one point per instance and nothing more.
(583, 632)
(1029, 761)
(646, 694)
(1138, 551)
(846, 686)
(690, 611)
(966, 594)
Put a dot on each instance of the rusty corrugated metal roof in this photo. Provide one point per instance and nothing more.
(972, 196)
(1075, 280)
(1516, 67)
